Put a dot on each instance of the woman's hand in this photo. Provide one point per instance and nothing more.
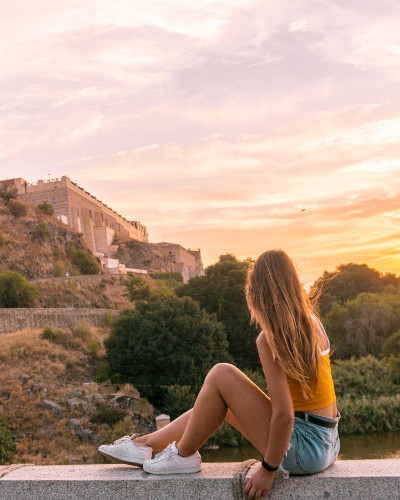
(259, 483)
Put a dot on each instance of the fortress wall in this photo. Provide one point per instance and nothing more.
(81, 207)
(14, 320)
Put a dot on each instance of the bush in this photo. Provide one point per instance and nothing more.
(365, 376)
(59, 268)
(46, 208)
(168, 276)
(137, 288)
(82, 331)
(178, 400)
(93, 347)
(362, 415)
(392, 345)
(84, 261)
(7, 446)
(108, 319)
(123, 427)
(41, 232)
(103, 373)
(56, 336)
(164, 342)
(107, 414)
(15, 290)
(17, 209)
(3, 239)
(7, 193)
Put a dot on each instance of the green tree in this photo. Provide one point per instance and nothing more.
(15, 290)
(345, 283)
(165, 341)
(46, 208)
(136, 288)
(222, 291)
(357, 328)
(84, 261)
(7, 446)
(7, 193)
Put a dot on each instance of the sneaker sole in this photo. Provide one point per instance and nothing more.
(138, 461)
(175, 471)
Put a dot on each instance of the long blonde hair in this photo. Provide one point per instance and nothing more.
(279, 304)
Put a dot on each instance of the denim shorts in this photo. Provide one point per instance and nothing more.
(312, 448)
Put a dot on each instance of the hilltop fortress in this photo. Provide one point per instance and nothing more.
(102, 227)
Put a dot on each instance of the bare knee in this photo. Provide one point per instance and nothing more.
(220, 372)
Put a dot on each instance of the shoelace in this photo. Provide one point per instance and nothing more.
(167, 453)
(123, 439)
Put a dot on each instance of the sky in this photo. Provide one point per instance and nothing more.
(231, 126)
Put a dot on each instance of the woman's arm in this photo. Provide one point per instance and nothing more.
(282, 420)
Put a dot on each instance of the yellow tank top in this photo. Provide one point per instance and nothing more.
(324, 393)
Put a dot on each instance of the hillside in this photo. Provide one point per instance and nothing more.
(55, 411)
(31, 249)
(141, 255)
(36, 245)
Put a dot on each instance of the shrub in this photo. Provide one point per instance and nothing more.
(137, 288)
(41, 232)
(123, 427)
(365, 376)
(108, 319)
(7, 193)
(59, 268)
(82, 331)
(84, 261)
(15, 290)
(56, 336)
(3, 239)
(363, 415)
(107, 414)
(392, 345)
(7, 446)
(93, 347)
(46, 208)
(178, 400)
(103, 373)
(17, 209)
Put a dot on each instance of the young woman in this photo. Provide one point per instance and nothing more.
(295, 428)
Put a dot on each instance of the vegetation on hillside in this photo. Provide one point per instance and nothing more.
(52, 411)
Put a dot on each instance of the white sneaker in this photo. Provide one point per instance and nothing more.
(125, 451)
(170, 462)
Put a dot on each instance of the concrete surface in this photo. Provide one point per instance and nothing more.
(356, 479)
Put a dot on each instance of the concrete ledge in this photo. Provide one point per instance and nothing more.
(363, 479)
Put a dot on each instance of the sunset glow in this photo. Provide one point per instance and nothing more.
(233, 126)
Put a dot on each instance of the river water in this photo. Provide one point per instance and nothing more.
(356, 447)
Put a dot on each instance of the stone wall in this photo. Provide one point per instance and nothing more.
(346, 479)
(14, 320)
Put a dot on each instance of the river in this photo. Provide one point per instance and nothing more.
(356, 447)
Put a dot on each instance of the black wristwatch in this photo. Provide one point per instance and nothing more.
(269, 467)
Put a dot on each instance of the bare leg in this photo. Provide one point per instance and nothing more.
(160, 439)
(227, 387)
(226, 394)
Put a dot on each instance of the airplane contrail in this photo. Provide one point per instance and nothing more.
(265, 62)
